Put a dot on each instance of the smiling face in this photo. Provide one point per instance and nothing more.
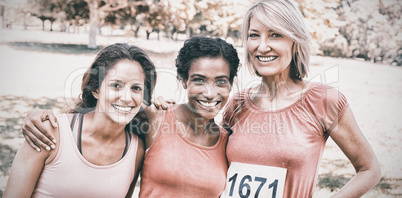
(121, 93)
(208, 86)
(269, 51)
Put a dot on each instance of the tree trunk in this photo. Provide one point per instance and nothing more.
(148, 33)
(173, 31)
(93, 24)
(158, 31)
(51, 26)
(225, 31)
(136, 30)
(188, 32)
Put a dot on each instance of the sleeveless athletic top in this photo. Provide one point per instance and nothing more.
(292, 138)
(176, 167)
(71, 175)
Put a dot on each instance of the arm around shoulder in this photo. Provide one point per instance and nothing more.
(38, 134)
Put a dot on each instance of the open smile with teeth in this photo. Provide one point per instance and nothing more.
(208, 104)
(266, 58)
(122, 108)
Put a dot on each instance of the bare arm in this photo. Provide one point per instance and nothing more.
(36, 133)
(25, 171)
(350, 139)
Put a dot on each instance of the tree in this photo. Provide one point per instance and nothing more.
(77, 13)
(156, 18)
(133, 15)
(96, 7)
(322, 21)
(219, 17)
(183, 13)
(372, 29)
(50, 10)
(2, 12)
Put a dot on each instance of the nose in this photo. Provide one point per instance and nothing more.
(264, 45)
(126, 96)
(210, 91)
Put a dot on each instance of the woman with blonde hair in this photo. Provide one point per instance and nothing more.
(280, 126)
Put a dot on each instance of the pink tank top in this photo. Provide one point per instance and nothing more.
(176, 167)
(292, 138)
(71, 175)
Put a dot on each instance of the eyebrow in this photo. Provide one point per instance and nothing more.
(197, 75)
(202, 76)
(223, 76)
(120, 81)
(255, 30)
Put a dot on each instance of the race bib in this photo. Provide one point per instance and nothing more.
(249, 180)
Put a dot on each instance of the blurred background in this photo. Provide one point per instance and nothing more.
(46, 46)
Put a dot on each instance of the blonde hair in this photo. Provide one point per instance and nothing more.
(284, 17)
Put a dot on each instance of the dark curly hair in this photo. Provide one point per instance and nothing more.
(106, 59)
(201, 47)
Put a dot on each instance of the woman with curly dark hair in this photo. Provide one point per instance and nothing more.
(186, 148)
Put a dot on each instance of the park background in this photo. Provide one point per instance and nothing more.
(46, 46)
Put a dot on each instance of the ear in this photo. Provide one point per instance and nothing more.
(95, 94)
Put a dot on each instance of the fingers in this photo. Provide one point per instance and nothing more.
(161, 103)
(171, 101)
(30, 131)
(156, 103)
(34, 127)
(44, 135)
(31, 143)
(47, 115)
(53, 120)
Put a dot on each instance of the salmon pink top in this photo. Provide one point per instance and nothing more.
(292, 138)
(176, 167)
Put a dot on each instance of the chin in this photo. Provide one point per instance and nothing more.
(266, 72)
(122, 119)
(208, 115)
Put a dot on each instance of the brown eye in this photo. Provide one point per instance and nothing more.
(115, 85)
(222, 82)
(253, 35)
(136, 88)
(198, 80)
(276, 35)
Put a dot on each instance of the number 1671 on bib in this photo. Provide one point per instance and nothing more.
(250, 180)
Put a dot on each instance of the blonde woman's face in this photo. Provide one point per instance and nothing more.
(270, 52)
